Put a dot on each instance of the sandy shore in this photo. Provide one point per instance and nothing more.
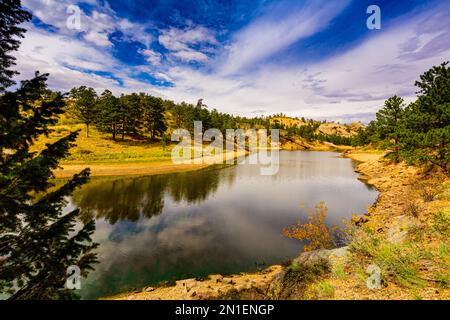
(141, 168)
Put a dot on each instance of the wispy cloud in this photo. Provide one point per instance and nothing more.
(273, 32)
(95, 27)
(181, 42)
(243, 71)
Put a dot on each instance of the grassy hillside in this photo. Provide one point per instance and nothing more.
(100, 148)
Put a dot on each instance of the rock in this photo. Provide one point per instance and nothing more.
(338, 253)
(399, 231)
(312, 257)
(148, 289)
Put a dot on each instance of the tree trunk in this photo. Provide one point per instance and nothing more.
(87, 130)
(114, 132)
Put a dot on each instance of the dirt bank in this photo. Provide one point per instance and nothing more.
(140, 168)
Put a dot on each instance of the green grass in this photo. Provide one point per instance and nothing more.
(398, 262)
(441, 223)
(325, 289)
(100, 148)
(338, 271)
(443, 250)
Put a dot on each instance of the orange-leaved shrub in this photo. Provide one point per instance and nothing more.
(317, 234)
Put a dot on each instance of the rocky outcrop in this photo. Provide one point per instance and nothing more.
(251, 286)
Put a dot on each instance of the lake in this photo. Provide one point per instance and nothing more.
(218, 220)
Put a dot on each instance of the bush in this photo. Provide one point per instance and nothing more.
(441, 223)
(314, 231)
(297, 277)
(412, 209)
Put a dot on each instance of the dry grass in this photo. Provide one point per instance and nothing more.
(100, 148)
(106, 157)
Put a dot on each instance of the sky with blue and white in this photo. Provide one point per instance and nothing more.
(312, 58)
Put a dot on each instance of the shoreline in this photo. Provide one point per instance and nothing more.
(144, 168)
(249, 285)
(394, 183)
(118, 169)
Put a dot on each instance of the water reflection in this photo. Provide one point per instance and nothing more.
(211, 221)
(135, 198)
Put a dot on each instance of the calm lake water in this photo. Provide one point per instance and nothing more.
(220, 220)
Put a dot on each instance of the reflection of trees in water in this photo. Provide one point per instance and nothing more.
(194, 187)
(133, 198)
(122, 199)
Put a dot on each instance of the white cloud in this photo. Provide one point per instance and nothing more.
(95, 28)
(67, 59)
(180, 39)
(180, 42)
(190, 55)
(135, 31)
(353, 83)
(268, 34)
(151, 56)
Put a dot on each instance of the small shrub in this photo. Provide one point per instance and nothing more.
(441, 223)
(60, 130)
(417, 232)
(428, 193)
(201, 279)
(430, 188)
(314, 231)
(412, 209)
(298, 276)
(295, 266)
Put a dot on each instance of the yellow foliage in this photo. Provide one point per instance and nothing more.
(315, 231)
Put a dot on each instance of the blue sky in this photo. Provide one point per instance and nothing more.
(312, 58)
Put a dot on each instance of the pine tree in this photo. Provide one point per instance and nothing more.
(425, 130)
(11, 15)
(153, 115)
(388, 119)
(84, 107)
(131, 113)
(387, 125)
(109, 113)
(37, 240)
